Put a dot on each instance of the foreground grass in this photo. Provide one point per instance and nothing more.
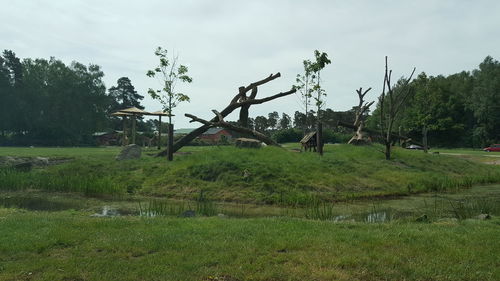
(70, 246)
(270, 175)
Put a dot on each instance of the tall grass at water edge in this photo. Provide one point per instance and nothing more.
(88, 184)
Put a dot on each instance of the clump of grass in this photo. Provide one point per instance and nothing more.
(88, 184)
(473, 206)
(156, 208)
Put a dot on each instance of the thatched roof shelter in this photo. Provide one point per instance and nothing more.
(159, 113)
(308, 137)
(118, 113)
(134, 110)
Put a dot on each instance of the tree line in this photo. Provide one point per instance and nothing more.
(48, 102)
(458, 110)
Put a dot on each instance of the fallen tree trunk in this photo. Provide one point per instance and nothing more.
(239, 101)
(376, 133)
(221, 123)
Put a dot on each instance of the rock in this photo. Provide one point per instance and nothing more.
(483, 217)
(247, 143)
(40, 161)
(222, 216)
(23, 167)
(107, 212)
(423, 218)
(131, 151)
(188, 214)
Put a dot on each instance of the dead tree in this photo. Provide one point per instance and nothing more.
(240, 100)
(221, 123)
(360, 137)
(390, 104)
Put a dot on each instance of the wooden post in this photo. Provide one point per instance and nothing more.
(319, 138)
(159, 131)
(133, 129)
(424, 138)
(170, 143)
(399, 132)
(124, 137)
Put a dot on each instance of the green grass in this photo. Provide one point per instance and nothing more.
(269, 175)
(71, 246)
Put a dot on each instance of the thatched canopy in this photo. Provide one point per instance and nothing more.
(159, 113)
(134, 111)
(118, 113)
(308, 137)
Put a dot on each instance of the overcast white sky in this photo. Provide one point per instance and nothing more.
(230, 43)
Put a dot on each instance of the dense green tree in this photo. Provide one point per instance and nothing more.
(485, 101)
(261, 124)
(272, 120)
(285, 121)
(124, 95)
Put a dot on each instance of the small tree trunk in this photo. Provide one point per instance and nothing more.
(319, 138)
(170, 143)
(424, 138)
(133, 129)
(159, 131)
(387, 150)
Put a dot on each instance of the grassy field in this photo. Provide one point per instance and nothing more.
(269, 175)
(338, 217)
(70, 246)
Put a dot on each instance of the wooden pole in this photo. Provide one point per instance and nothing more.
(159, 131)
(124, 137)
(133, 129)
(319, 138)
(170, 143)
(424, 138)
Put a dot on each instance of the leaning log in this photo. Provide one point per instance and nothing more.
(221, 123)
(240, 100)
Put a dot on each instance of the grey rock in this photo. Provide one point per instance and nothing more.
(131, 151)
(107, 212)
(188, 214)
(422, 218)
(23, 167)
(40, 161)
(483, 217)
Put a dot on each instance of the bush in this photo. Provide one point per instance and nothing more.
(287, 135)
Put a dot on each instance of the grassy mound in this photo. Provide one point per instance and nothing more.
(268, 175)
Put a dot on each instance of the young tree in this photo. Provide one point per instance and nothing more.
(321, 60)
(169, 72)
(390, 103)
(305, 87)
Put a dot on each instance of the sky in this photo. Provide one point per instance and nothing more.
(231, 43)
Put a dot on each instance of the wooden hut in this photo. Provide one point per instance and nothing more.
(309, 141)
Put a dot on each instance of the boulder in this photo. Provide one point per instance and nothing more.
(40, 161)
(23, 167)
(483, 217)
(131, 151)
(248, 143)
(188, 214)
